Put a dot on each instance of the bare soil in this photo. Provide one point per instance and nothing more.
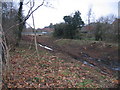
(71, 64)
(100, 54)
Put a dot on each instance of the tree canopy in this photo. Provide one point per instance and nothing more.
(71, 26)
(75, 21)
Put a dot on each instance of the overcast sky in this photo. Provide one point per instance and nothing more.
(59, 8)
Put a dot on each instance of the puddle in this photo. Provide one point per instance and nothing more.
(111, 65)
(99, 60)
(104, 72)
(48, 48)
(116, 68)
(85, 62)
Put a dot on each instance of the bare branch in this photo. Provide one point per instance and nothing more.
(29, 14)
(27, 2)
(31, 7)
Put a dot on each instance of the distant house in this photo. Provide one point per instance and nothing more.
(30, 31)
(45, 30)
(116, 25)
(117, 21)
(48, 30)
(88, 28)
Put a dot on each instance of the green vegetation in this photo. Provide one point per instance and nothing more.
(70, 28)
(74, 41)
(85, 82)
(104, 29)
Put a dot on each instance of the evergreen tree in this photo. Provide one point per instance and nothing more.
(74, 24)
(70, 28)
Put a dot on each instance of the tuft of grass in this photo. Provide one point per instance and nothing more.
(62, 42)
(37, 79)
(84, 83)
(66, 72)
(103, 77)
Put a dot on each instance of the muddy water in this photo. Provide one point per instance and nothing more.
(109, 64)
(93, 62)
(104, 68)
(116, 68)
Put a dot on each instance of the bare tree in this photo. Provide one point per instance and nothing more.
(22, 19)
(19, 23)
(89, 15)
(107, 19)
(104, 28)
(35, 39)
(8, 36)
(30, 12)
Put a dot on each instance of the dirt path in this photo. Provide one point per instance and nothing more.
(99, 55)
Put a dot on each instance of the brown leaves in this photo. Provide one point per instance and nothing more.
(50, 71)
(116, 81)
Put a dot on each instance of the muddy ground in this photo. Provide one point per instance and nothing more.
(95, 54)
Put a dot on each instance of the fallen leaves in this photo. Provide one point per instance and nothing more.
(116, 81)
(49, 71)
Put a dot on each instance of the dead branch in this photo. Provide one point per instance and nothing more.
(5, 49)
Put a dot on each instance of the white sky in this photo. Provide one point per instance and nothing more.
(46, 15)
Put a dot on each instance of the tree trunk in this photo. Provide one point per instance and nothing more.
(21, 23)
